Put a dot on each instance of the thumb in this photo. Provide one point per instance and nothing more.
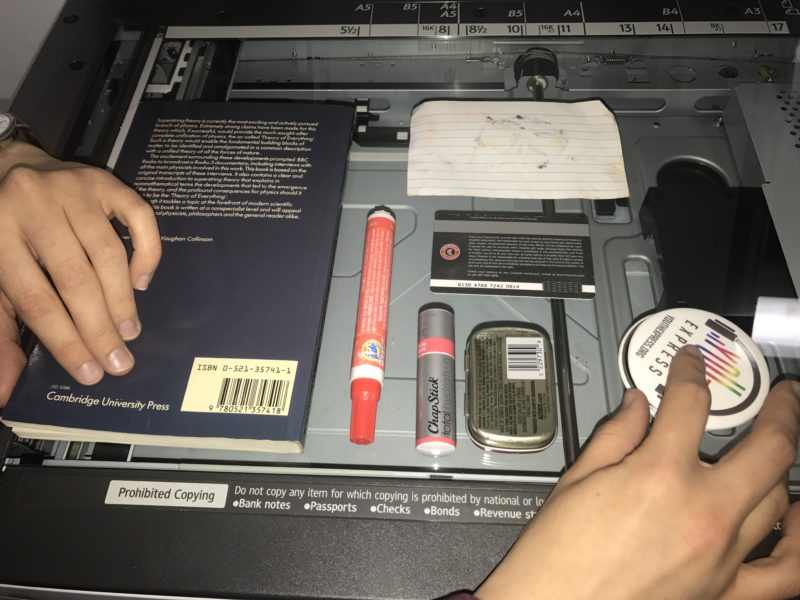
(615, 439)
(12, 358)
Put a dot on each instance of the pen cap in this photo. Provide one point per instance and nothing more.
(364, 394)
(382, 209)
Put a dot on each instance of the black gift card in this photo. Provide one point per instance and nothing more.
(512, 254)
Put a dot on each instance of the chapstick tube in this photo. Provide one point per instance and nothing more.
(369, 346)
(436, 380)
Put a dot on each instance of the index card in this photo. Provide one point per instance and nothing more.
(516, 149)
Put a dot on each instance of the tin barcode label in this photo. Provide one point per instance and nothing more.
(240, 386)
(525, 358)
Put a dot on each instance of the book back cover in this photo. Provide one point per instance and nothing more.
(247, 197)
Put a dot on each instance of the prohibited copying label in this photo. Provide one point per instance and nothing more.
(420, 503)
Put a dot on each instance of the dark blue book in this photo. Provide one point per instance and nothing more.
(248, 198)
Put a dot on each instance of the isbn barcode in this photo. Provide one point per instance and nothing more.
(268, 394)
(240, 386)
(525, 358)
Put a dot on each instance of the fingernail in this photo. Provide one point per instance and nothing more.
(129, 329)
(627, 398)
(120, 360)
(90, 373)
(143, 281)
(693, 350)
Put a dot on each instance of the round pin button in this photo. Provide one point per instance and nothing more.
(736, 372)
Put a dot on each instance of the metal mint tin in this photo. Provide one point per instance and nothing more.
(510, 395)
(736, 371)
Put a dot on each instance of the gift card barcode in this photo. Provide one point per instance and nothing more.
(525, 358)
(267, 396)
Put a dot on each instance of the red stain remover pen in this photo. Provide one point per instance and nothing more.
(369, 346)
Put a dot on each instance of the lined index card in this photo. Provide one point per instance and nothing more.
(516, 149)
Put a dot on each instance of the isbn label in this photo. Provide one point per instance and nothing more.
(525, 358)
(240, 386)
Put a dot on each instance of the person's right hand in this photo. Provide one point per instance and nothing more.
(55, 221)
(641, 516)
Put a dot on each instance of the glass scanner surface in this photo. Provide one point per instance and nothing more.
(717, 114)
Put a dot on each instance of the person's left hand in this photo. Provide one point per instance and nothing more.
(12, 358)
(64, 271)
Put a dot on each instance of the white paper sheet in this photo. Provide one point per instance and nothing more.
(525, 149)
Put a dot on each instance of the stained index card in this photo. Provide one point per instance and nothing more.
(516, 149)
